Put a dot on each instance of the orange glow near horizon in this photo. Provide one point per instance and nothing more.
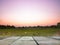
(29, 12)
(41, 23)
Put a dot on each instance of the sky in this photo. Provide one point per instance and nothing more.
(29, 12)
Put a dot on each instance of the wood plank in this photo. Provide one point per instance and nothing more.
(8, 41)
(25, 41)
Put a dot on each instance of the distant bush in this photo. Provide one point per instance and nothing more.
(58, 24)
(24, 27)
(6, 26)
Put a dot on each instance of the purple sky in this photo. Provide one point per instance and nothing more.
(29, 12)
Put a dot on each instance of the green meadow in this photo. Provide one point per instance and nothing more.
(30, 32)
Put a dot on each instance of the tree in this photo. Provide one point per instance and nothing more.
(58, 24)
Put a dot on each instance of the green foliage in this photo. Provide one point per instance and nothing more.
(29, 32)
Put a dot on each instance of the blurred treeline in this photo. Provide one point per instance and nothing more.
(8, 26)
(7, 30)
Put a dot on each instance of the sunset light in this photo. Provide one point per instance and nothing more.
(29, 12)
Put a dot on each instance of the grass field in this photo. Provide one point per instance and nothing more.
(29, 32)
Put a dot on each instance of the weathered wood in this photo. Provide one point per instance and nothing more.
(29, 40)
